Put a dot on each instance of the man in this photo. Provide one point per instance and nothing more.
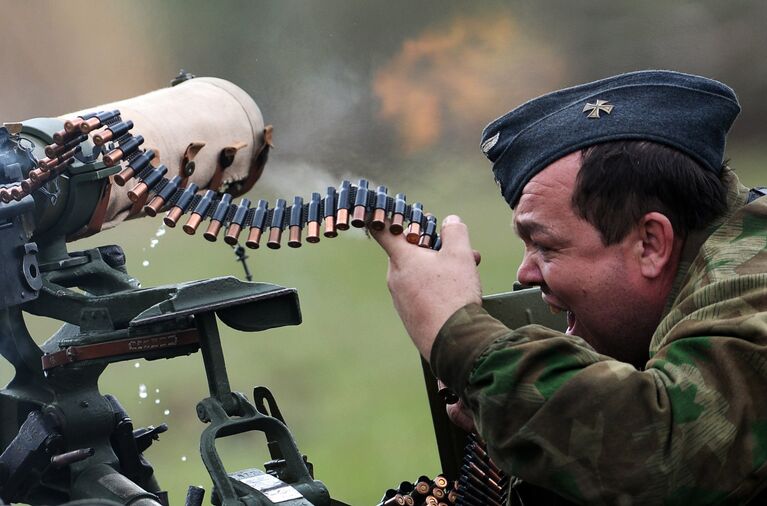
(657, 391)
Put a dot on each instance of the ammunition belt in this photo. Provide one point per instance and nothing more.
(480, 482)
(357, 205)
(350, 204)
(66, 148)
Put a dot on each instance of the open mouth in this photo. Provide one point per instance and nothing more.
(555, 309)
(570, 322)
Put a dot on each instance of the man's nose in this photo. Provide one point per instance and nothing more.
(528, 273)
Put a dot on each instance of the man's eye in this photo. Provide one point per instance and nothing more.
(542, 248)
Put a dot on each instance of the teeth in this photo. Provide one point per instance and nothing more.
(554, 309)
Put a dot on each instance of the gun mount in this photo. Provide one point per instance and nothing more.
(115, 321)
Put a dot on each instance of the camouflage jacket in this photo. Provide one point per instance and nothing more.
(691, 428)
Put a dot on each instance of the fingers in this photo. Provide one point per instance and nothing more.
(460, 415)
(455, 236)
(392, 244)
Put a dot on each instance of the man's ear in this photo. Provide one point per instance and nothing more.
(657, 244)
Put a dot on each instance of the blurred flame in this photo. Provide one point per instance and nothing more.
(452, 81)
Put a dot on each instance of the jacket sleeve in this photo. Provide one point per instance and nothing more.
(686, 430)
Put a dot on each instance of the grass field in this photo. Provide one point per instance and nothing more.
(347, 380)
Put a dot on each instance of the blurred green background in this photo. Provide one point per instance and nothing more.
(394, 91)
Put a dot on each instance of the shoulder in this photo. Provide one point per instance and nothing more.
(727, 281)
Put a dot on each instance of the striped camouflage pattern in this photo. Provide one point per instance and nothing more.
(689, 429)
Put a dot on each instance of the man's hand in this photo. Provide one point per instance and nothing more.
(457, 412)
(428, 286)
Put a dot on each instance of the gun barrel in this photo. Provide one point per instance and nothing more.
(201, 111)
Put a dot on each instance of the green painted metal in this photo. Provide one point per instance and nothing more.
(103, 307)
(523, 307)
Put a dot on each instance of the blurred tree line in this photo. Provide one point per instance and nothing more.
(316, 67)
(358, 86)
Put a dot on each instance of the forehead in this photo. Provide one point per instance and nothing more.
(550, 191)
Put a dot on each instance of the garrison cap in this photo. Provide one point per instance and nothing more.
(687, 112)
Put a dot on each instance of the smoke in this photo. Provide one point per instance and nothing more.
(288, 179)
(451, 80)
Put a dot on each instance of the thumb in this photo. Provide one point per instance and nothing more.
(455, 235)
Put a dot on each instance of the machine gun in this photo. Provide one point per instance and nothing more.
(70, 177)
(62, 439)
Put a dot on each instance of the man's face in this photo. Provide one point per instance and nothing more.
(600, 287)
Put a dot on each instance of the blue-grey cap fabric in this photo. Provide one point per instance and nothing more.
(690, 113)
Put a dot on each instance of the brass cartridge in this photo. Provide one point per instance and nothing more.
(181, 206)
(219, 215)
(235, 227)
(296, 222)
(360, 204)
(199, 212)
(330, 204)
(416, 221)
(343, 206)
(378, 222)
(275, 228)
(398, 214)
(257, 224)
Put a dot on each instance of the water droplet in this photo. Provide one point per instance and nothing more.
(166, 412)
(153, 243)
(137, 365)
(145, 263)
(142, 391)
(160, 231)
(157, 401)
(183, 458)
(157, 390)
